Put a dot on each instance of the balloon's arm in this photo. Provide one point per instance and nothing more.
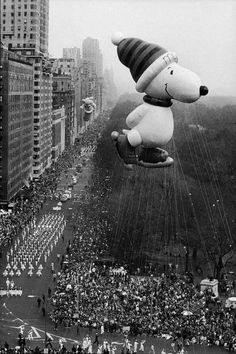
(136, 116)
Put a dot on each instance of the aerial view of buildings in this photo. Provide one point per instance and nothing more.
(40, 96)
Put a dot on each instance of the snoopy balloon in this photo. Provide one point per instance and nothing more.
(157, 74)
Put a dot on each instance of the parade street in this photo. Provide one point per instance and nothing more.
(21, 313)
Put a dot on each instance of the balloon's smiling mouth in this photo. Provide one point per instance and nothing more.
(166, 86)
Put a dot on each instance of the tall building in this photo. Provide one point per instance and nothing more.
(58, 135)
(24, 29)
(92, 53)
(92, 72)
(72, 53)
(42, 117)
(25, 26)
(16, 123)
(62, 67)
(64, 95)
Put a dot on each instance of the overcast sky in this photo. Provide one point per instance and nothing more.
(201, 32)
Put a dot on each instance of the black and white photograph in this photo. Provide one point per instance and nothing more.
(117, 176)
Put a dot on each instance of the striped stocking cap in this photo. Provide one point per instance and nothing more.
(145, 60)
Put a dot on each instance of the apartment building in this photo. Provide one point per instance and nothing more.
(24, 30)
(24, 26)
(58, 132)
(16, 123)
(64, 95)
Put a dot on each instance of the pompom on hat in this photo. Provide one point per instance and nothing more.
(145, 60)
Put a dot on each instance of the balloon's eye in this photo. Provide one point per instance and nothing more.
(172, 71)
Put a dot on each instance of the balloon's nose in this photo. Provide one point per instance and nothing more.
(203, 90)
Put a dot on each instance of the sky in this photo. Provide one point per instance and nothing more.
(201, 32)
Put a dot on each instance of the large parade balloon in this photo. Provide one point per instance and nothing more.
(88, 108)
(157, 74)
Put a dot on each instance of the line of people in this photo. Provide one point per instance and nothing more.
(33, 247)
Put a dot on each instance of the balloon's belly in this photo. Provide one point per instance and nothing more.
(156, 131)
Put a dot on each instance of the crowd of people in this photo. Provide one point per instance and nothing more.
(106, 296)
(30, 251)
(94, 291)
(87, 345)
(169, 306)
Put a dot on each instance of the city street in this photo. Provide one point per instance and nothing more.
(21, 313)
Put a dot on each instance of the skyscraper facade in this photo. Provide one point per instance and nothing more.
(42, 117)
(64, 95)
(92, 71)
(16, 123)
(72, 53)
(24, 30)
(92, 53)
(24, 26)
(58, 135)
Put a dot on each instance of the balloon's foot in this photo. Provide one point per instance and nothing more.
(141, 156)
